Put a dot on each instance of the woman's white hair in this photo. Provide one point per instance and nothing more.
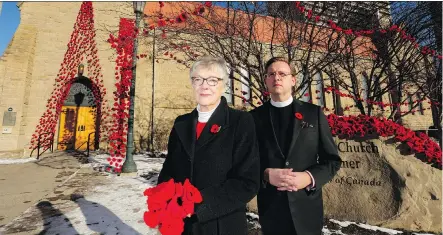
(212, 63)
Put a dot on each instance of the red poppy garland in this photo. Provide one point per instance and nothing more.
(330, 89)
(362, 125)
(124, 45)
(168, 204)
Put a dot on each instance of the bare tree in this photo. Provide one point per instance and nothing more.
(370, 67)
(423, 20)
(246, 37)
(378, 66)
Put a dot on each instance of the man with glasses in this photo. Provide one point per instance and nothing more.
(297, 157)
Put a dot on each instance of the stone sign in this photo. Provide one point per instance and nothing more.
(9, 118)
(365, 188)
(375, 185)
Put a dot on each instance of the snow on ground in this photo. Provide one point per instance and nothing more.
(118, 207)
(326, 231)
(369, 229)
(365, 226)
(8, 161)
(115, 208)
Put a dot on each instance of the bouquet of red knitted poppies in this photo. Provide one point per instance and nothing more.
(168, 204)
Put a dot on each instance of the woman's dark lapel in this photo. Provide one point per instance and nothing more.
(186, 128)
(186, 132)
(220, 117)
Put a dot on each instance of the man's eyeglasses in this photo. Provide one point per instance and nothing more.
(274, 74)
(212, 81)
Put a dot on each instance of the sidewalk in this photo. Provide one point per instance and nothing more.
(24, 185)
(91, 202)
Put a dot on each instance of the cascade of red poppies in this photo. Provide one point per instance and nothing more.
(362, 125)
(81, 47)
(124, 45)
(330, 89)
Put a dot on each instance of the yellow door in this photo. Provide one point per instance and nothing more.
(67, 127)
(76, 123)
(85, 126)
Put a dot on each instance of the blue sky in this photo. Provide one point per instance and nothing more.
(9, 20)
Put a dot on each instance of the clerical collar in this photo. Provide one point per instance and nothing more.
(283, 103)
(204, 116)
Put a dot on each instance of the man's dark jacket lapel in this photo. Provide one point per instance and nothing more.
(297, 106)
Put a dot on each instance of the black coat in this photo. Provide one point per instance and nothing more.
(312, 148)
(223, 166)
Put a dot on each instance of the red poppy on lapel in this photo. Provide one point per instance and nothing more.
(215, 128)
(299, 116)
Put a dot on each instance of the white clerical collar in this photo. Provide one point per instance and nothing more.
(204, 116)
(283, 103)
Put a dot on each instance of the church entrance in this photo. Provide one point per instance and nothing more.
(78, 118)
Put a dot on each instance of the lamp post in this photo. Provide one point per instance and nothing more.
(152, 98)
(129, 164)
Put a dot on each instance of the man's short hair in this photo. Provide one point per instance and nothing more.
(282, 59)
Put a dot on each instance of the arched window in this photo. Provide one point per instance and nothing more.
(245, 86)
(411, 103)
(319, 90)
(304, 91)
(229, 87)
(420, 104)
(364, 88)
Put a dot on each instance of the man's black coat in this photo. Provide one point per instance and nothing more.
(312, 148)
(224, 166)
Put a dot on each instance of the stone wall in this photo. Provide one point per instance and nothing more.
(31, 62)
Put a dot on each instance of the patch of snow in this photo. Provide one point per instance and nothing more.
(253, 220)
(252, 215)
(366, 226)
(375, 228)
(17, 161)
(144, 163)
(326, 231)
(342, 223)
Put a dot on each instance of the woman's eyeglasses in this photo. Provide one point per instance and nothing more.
(212, 81)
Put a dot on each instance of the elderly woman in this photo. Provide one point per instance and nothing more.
(214, 147)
